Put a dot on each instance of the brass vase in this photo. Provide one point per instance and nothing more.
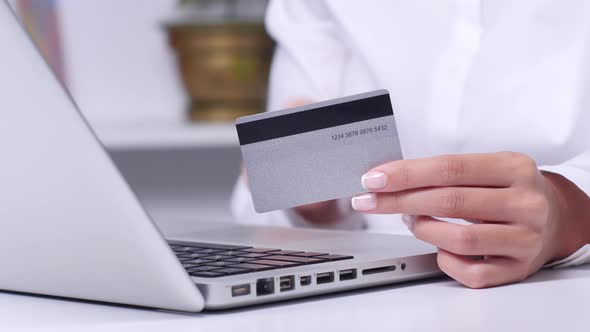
(224, 67)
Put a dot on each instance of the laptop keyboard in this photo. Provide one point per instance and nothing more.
(217, 260)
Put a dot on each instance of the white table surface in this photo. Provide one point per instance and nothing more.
(552, 300)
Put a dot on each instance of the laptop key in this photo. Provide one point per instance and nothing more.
(209, 245)
(185, 258)
(255, 267)
(285, 252)
(198, 261)
(335, 257)
(202, 268)
(220, 263)
(308, 254)
(211, 251)
(223, 246)
(232, 270)
(304, 260)
(231, 253)
(275, 263)
(206, 274)
(185, 249)
(255, 255)
(191, 255)
(260, 250)
(241, 259)
(217, 257)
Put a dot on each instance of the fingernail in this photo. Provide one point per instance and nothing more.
(408, 221)
(364, 202)
(374, 180)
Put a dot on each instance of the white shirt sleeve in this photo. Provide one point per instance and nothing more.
(581, 256)
(310, 57)
(576, 170)
(307, 65)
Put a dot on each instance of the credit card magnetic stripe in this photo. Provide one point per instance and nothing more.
(315, 119)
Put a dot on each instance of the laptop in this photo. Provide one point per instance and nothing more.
(72, 227)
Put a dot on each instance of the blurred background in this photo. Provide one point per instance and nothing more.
(161, 82)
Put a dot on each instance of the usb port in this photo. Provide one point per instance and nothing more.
(239, 290)
(286, 283)
(324, 277)
(349, 274)
(305, 280)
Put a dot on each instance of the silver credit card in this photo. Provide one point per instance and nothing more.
(317, 152)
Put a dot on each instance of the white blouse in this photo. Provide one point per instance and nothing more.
(464, 76)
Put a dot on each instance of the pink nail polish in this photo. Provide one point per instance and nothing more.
(364, 202)
(374, 180)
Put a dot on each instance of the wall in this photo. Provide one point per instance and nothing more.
(119, 67)
(122, 74)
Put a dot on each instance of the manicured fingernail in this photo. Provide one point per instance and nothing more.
(374, 180)
(364, 202)
(408, 221)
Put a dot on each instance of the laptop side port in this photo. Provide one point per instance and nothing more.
(404, 266)
(349, 274)
(381, 269)
(305, 280)
(240, 290)
(265, 286)
(286, 283)
(324, 277)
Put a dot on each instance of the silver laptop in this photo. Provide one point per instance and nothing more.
(71, 227)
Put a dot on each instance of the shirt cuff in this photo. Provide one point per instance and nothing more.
(581, 179)
(582, 256)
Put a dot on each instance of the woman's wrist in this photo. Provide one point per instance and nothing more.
(572, 215)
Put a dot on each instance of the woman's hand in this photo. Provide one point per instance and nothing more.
(522, 218)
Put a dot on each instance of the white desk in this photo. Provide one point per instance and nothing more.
(550, 301)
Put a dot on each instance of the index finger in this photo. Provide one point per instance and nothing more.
(483, 170)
